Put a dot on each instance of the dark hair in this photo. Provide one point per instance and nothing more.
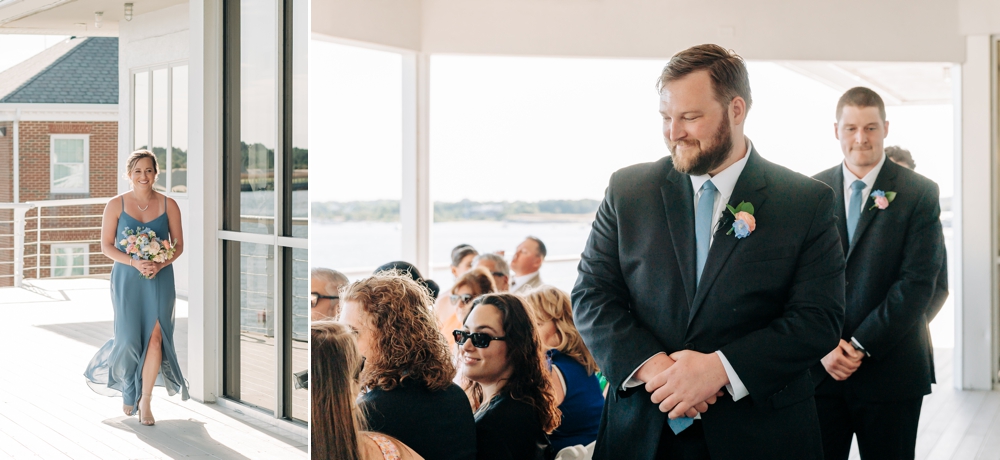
(727, 70)
(541, 245)
(336, 418)
(859, 96)
(901, 156)
(460, 252)
(411, 271)
(406, 340)
(528, 382)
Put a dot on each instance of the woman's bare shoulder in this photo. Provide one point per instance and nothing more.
(377, 446)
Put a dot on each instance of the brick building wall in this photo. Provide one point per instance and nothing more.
(64, 224)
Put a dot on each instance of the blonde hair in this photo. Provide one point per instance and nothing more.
(406, 340)
(336, 418)
(552, 304)
(134, 158)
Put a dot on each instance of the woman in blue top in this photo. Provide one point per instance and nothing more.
(577, 390)
(142, 352)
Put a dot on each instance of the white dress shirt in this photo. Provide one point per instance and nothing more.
(725, 182)
(869, 181)
(849, 179)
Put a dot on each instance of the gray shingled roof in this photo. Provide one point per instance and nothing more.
(86, 74)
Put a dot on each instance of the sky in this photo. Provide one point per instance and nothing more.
(17, 48)
(526, 128)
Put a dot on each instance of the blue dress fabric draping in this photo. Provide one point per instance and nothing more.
(138, 303)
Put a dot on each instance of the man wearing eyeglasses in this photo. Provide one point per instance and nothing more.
(325, 285)
(497, 267)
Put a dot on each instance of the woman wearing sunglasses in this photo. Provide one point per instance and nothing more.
(575, 385)
(336, 421)
(501, 358)
(406, 382)
(472, 284)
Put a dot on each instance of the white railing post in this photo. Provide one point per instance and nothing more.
(19, 223)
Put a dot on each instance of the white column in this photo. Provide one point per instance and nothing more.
(202, 245)
(19, 222)
(975, 229)
(415, 208)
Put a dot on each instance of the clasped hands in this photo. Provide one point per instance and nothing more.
(843, 361)
(685, 383)
(147, 267)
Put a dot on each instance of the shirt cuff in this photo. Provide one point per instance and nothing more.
(631, 381)
(735, 387)
(857, 346)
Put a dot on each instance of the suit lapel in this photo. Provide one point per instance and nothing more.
(837, 184)
(884, 182)
(678, 202)
(749, 187)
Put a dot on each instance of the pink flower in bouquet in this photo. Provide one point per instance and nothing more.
(882, 202)
(166, 244)
(130, 249)
(748, 218)
(131, 239)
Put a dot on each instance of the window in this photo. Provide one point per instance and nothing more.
(159, 121)
(70, 160)
(70, 260)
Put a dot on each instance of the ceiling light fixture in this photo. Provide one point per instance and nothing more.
(128, 11)
(98, 16)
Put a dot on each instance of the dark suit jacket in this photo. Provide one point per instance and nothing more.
(772, 302)
(895, 285)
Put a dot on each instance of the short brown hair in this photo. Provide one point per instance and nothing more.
(479, 279)
(137, 155)
(859, 96)
(726, 68)
(406, 339)
(901, 156)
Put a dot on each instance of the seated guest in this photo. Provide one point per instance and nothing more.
(325, 285)
(336, 421)
(411, 271)
(502, 359)
(407, 389)
(472, 284)
(526, 263)
(577, 390)
(497, 267)
(900, 156)
(461, 262)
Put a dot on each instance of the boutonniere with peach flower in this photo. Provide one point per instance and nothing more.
(882, 199)
(744, 222)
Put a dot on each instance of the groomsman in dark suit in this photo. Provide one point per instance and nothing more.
(686, 302)
(872, 384)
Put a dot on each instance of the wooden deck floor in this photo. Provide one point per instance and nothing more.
(47, 411)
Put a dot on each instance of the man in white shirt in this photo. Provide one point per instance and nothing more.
(711, 276)
(527, 261)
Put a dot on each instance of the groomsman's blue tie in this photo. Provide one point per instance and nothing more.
(854, 209)
(703, 224)
(703, 241)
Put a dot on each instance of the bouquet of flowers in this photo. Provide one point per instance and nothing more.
(142, 244)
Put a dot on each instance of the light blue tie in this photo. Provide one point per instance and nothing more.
(703, 241)
(854, 209)
(703, 224)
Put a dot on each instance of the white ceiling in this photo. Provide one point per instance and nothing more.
(899, 83)
(70, 17)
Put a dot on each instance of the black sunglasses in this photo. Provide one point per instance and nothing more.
(479, 339)
(456, 298)
(314, 298)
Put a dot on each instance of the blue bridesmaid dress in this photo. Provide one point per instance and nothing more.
(139, 303)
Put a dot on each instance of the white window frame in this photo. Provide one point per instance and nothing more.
(71, 246)
(86, 162)
(169, 66)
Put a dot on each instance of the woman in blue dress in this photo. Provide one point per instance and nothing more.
(142, 353)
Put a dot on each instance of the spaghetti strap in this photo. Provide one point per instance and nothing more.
(123, 202)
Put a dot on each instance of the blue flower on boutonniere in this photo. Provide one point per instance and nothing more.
(744, 223)
(882, 199)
